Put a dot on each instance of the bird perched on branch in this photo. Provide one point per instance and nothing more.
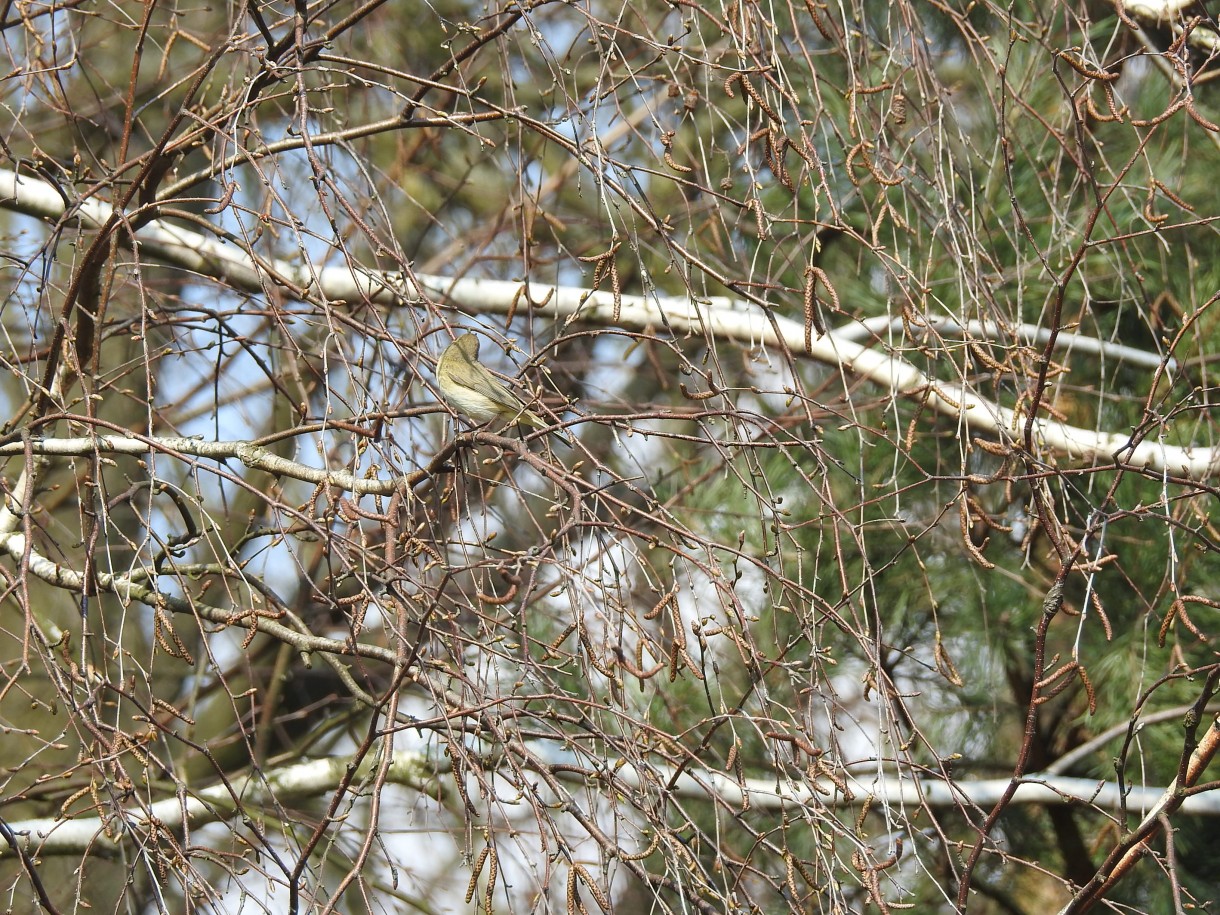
(474, 391)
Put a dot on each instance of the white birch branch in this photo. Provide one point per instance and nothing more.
(253, 456)
(720, 317)
(218, 803)
(128, 588)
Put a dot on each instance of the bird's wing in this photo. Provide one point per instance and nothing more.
(479, 378)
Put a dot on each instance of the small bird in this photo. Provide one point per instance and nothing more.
(476, 392)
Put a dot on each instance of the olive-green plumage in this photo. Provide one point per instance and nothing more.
(476, 392)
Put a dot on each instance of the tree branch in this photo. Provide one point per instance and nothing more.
(722, 317)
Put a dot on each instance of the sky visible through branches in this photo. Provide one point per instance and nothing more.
(878, 576)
